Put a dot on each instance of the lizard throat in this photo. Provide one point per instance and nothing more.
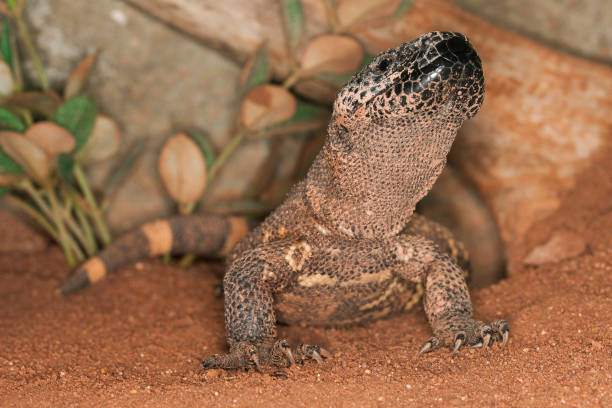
(363, 198)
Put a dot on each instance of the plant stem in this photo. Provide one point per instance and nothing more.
(82, 230)
(27, 117)
(16, 66)
(330, 12)
(96, 214)
(225, 154)
(59, 222)
(187, 260)
(89, 236)
(25, 34)
(293, 78)
(42, 221)
(34, 214)
(186, 208)
(26, 185)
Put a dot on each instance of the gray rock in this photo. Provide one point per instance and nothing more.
(580, 27)
(562, 245)
(153, 81)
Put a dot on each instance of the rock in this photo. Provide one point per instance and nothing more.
(562, 245)
(153, 81)
(579, 26)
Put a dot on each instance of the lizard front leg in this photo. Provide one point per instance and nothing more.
(446, 297)
(250, 322)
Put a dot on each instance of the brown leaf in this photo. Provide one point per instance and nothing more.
(267, 105)
(51, 138)
(353, 12)
(27, 154)
(183, 169)
(45, 103)
(104, 140)
(335, 54)
(6, 79)
(8, 179)
(78, 76)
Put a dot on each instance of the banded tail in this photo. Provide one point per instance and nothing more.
(208, 235)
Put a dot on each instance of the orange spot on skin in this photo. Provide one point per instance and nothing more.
(95, 269)
(238, 229)
(159, 236)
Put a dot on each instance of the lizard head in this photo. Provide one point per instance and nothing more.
(392, 127)
(437, 76)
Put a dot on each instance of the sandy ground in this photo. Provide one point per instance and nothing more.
(137, 338)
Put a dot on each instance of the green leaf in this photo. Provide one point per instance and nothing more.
(305, 111)
(403, 7)
(258, 70)
(3, 190)
(367, 58)
(78, 116)
(8, 165)
(5, 43)
(294, 21)
(65, 166)
(202, 139)
(8, 121)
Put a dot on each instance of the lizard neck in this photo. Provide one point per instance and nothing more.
(369, 191)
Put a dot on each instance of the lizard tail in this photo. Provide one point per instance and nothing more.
(207, 235)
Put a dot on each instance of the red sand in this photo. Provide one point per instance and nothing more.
(137, 339)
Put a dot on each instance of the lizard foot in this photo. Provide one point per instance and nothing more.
(470, 332)
(247, 355)
(305, 352)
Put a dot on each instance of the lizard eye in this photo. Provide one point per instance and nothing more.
(384, 64)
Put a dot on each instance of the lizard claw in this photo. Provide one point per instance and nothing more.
(459, 340)
(429, 345)
(504, 329)
(486, 341)
(306, 351)
(247, 355)
(468, 332)
(288, 353)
